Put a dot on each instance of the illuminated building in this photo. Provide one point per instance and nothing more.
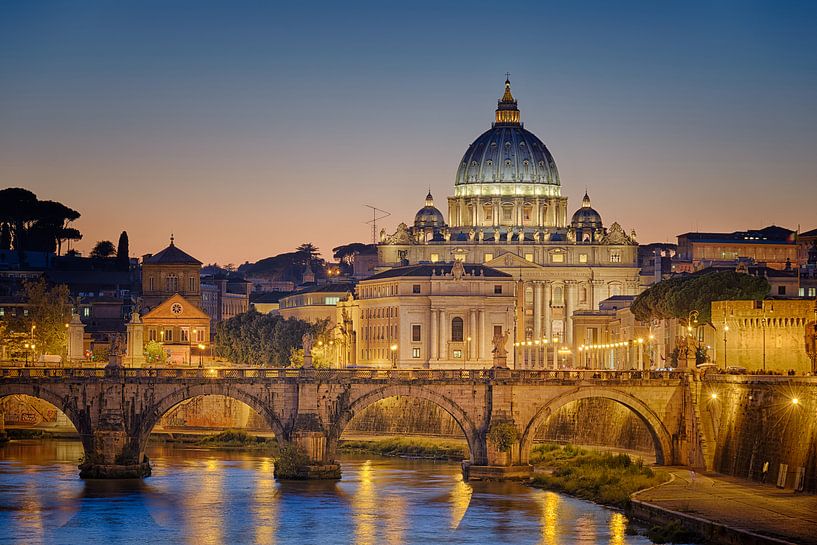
(507, 213)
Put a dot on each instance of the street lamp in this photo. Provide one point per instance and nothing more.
(393, 349)
(725, 330)
(692, 318)
(201, 354)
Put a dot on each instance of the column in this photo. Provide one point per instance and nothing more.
(570, 305)
(548, 296)
(496, 212)
(537, 310)
(478, 212)
(595, 289)
(473, 213)
(472, 332)
(443, 351)
(484, 336)
(434, 342)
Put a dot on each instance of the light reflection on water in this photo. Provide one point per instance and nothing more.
(206, 497)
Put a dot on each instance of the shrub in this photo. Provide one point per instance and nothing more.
(503, 435)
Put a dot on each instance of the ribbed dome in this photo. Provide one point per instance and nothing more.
(507, 152)
(586, 216)
(429, 215)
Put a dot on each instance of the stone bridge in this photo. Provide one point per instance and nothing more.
(115, 409)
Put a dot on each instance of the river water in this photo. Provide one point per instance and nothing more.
(208, 497)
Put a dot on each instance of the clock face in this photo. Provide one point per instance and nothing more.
(176, 308)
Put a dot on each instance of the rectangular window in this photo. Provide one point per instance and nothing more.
(506, 213)
(488, 257)
(184, 335)
(150, 283)
(498, 289)
(529, 257)
(415, 352)
(415, 288)
(458, 354)
(497, 330)
(191, 284)
(168, 338)
(812, 292)
(615, 256)
(151, 334)
(331, 300)
(582, 258)
(435, 258)
(557, 258)
(200, 335)
(802, 293)
(86, 311)
(2, 311)
(415, 333)
(781, 290)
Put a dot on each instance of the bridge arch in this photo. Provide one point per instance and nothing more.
(357, 405)
(662, 439)
(79, 419)
(155, 412)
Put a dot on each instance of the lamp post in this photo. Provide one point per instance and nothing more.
(692, 317)
(725, 330)
(393, 349)
(763, 326)
(201, 348)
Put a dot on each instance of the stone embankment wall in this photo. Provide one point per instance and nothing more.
(760, 421)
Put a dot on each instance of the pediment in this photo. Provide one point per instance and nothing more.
(176, 307)
(511, 260)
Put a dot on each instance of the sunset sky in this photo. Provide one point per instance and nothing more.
(247, 128)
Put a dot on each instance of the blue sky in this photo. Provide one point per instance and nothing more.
(250, 127)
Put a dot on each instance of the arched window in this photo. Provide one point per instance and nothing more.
(456, 329)
(172, 283)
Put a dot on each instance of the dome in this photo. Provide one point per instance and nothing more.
(507, 153)
(429, 215)
(586, 216)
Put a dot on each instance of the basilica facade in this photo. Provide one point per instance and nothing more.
(507, 214)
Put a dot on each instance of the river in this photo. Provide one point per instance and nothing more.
(213, 497)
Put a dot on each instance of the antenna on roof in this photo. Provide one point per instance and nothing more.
(377, 214)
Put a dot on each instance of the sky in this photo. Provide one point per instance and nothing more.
(246, 128)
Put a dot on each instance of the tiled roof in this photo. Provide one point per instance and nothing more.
(172, 255)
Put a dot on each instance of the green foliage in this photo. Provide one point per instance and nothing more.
(123, 249)
(419, 447)
(155, 352)
(236, 439)
(290, 461)
(49, 309)
(262, 339)
(603, 477)
(677, 297)
(503, 435)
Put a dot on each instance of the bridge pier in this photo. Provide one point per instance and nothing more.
(504, 458)
(3, 436)
(112, 453)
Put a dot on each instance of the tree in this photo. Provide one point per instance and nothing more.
(103, 248)
(260, 339)
(30, 224)
(122, 249)
(49, 309)
(677, 297)
(5, 237)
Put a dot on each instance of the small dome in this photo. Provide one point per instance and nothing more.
(586, 216)
(429, 215)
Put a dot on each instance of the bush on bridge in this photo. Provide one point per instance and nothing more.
(676, 297)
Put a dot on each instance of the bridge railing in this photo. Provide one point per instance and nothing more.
(340, 375)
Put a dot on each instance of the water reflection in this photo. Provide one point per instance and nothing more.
(205, 497)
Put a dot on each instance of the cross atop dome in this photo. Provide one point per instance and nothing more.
(506, 112)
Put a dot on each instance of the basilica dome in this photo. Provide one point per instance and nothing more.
(507, 152)
(429, 216)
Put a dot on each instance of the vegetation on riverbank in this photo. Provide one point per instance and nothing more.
(230, 439)
(417, 447)
(602, 477)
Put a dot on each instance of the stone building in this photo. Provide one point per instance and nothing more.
(508, 213)
(224, 296)
(181, 327)
(169, 272)
(772, 246)
(432, 316)
(769, 334)
(315, 303)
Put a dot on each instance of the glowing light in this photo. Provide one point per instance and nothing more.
(713, 395)
(794, 401)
